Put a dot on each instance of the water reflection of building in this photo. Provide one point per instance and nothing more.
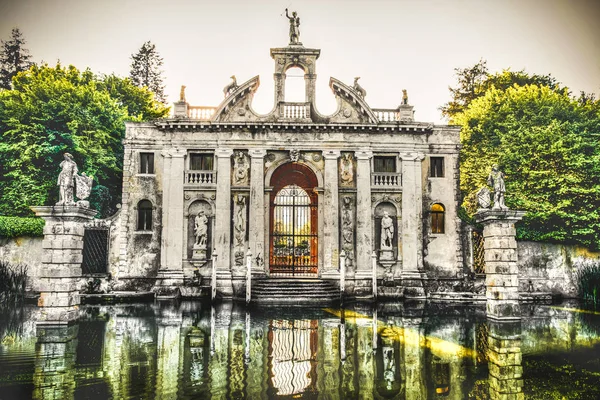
(193, 351)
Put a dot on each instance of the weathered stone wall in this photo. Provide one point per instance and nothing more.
(26, 251)
(551, 267)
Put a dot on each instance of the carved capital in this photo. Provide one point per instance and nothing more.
(331, 154)
(363, 155)
(412, 156)
(224, 153)
(257, 153)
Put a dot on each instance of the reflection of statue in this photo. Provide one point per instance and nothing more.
(182, 93)
(294, 27)
(347, 173)
(359, 89)
(240, 174)
(201, 230)
(84, 188)
(404, 97)
(231, 87)
(66, 181)
(387, 231)
(389, 365)
(496, 180)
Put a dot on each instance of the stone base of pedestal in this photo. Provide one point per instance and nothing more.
(168, 283)
(363, 284)
(224, 284)
(198, 254)
(412, 283)
(388, 275)
(503, 310)
(60, 272)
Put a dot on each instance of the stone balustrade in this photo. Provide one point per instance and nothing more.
(295, 110)
(201, 113)
(386, 115)
(386, 179)
(200, 178)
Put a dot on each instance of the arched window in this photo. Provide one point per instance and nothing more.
(295, 90)
(437, 218)
(144, 211)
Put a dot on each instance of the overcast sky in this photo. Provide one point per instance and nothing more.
(392, 45)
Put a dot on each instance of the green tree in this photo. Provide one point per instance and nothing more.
(53, 110)
(473, 82)
(546, 142)
(145, 70)
(14, 58)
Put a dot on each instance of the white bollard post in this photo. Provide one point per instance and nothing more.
(248, 276)
(342, 275)
(375, 329)
(374, 263)
(213, 278)
(342, 336)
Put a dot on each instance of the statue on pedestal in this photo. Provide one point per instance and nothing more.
(66, 181)
(200, 230)
(496, 180)
(347, 173)
(294, 27)
(182, 94)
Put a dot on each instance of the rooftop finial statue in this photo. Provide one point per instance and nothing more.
(496, 180)
(294, 27)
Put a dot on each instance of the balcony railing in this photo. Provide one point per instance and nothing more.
(386, 179)
(201, 113)
(386, 115)
(200, 177)
(295, 110)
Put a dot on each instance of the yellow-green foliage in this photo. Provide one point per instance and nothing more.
(21, 226)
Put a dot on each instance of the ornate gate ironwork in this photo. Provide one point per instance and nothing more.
(95, 251)
(293, 233)
(478, 252)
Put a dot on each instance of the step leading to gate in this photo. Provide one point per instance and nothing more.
(294, 291)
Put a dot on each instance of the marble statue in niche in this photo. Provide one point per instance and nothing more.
(201, 236)
(240, 169)
(496, 180)
(387, 232)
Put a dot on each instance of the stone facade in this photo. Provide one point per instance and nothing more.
(234, 164)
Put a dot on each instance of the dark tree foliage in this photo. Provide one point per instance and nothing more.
(14, 58)
(546, 142)
(146, 72)
(53, 110)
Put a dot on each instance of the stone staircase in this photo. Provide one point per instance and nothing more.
(294, 291)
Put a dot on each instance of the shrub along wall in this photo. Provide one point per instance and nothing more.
(11, 227)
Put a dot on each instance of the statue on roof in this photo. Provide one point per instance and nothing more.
(404, 97)
(294, 27)
(227, 90)
(182, 93)
(359, 89)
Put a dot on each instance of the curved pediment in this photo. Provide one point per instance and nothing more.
(236, 106)
(352, 108)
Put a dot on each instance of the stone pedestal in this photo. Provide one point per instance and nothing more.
(61, 262)
(504, 355)
(501, 270)
(199, 254)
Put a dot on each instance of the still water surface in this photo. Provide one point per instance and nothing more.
(193, 351)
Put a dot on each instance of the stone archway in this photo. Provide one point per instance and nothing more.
(293, 222)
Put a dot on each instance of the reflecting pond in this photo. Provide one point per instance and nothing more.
(394, 351)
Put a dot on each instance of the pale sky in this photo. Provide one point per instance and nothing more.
(392, 45)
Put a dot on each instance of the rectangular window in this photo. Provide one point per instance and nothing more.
(146, 163)
(436, 167)
(384, 164)
(201, 162)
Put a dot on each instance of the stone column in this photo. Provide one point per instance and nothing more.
(412, 224)
(330, 216)
(501, 269)
(257, 210)
(222, 237)
(364, 218)
(172, 240)
(310, 84)
(61, 262)
(504, 366)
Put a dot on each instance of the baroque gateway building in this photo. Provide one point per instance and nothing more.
(298, 190)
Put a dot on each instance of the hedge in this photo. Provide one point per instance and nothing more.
(21, 226)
